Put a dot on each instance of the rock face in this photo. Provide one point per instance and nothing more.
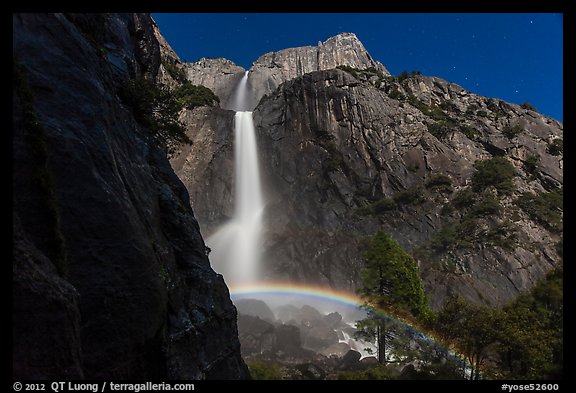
(340, 144)
(110, 274)
(274, 68)
(344, 154)
(219, 75)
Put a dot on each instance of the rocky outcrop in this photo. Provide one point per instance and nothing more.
(219, 75)
(171, 69)
(274, 68)
(255, 308)
(345, 154)
(111, 278)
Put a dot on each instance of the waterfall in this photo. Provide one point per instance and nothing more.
(240, 99)
(236, 246)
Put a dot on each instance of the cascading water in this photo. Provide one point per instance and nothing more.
(236, 245)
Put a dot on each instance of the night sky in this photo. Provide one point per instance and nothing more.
(516, 57)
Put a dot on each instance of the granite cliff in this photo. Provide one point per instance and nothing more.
(273, 68)
(111, 278)
(346, 149)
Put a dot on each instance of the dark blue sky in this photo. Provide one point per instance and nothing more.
(516, 57)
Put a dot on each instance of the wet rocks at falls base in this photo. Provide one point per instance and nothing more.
(308, 343)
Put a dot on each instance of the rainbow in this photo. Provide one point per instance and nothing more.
(341, 297)
(317, 292)
(291, 289)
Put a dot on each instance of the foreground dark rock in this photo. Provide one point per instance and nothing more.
(110, 274)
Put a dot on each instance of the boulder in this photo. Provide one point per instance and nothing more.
(350, 361)
(255, 308)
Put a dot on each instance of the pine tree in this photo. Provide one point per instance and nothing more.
(390, 282)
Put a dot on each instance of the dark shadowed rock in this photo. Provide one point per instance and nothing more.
(111, 275)
(254, 307)
(369, 362)
(350, 361)
(287, 338)
(408, 372)
(256, 335)
(43, 302)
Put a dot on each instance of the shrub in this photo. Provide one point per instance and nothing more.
(531, 164)
(261, 370)
(445, 238)
(545, 208)
(512, 131)
(439, 182)
(411, 196)
(449, 106)
(397, 95)
(447, 209)
(383, 205)
(403, 76)
(374, 71)
(471, 110)
(482, 113)
(433, 111)
(497, 172)
(380, 372)
(156, 109)
(377, 208)
(174, 71)
(488, 206)
(350, 70)
(191, 96)
(441, 129)
(528, 106)
(556, 147)
(464, 199)
(471, 133)
(501, 235)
